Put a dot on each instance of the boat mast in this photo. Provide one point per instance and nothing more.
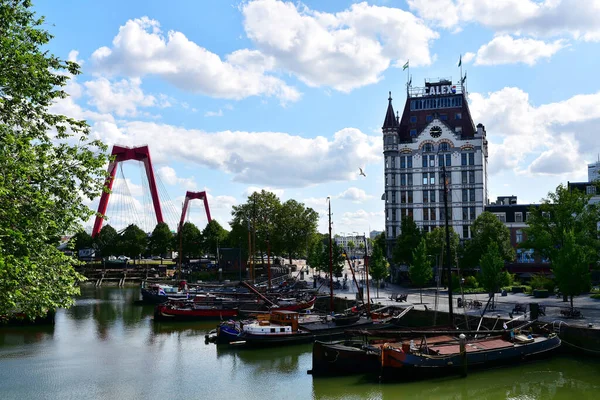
(448, 255)
(330, 262)
(367, 273)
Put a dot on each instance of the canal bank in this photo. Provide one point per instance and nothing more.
(106, 347)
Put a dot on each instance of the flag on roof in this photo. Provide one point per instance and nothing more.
(405, 66)
(460, 61)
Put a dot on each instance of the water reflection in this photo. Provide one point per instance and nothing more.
(542, 380)
(284, 360)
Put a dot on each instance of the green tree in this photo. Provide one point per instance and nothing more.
(133, 242)
(409, 239)
(420, 271)
(294, 228)
(190, 240)
(436, 246)
(213, 236)
(258, 215)
(486, 229)
(491, 276)
(378, 242)
(337, 259)
(570, 266)
(316, 251)
(107, 241)
(82, 240)
(562, 213)
(378, 266)
(49, 166)
(161, 240)
(351, 247)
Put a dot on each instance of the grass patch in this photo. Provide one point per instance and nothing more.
(595, 296)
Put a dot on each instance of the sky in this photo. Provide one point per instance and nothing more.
(233, 97)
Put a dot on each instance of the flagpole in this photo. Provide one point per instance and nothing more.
(407, 75)
(460, 65)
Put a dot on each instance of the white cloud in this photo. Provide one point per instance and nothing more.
(141, 49)
(351, 220)
(73, 54)
(506, 50)
(579, 19)
(354, 194)
(214, 113)
(468, 57)
(169, 176)
(252, 189)
(551, 139)
(344, 50)
(121, 97)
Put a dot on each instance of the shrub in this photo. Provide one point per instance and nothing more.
(470, 282)
(542, 282)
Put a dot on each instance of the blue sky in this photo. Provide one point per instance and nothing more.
(237, 96)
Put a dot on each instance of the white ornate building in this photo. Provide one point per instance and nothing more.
(436, 133)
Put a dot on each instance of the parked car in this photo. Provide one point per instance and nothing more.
(123, 258)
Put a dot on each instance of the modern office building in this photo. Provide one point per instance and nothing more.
(434, 138)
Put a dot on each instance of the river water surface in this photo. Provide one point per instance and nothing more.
(106, 347)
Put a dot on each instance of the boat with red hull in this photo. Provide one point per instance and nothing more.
(193, 311)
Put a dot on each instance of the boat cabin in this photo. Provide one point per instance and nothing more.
(276, 323)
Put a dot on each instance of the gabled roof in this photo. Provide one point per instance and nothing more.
(390, 121)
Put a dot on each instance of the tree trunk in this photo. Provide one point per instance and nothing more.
(290, 256)
(571, 302)
(421, 294)
(377, 287)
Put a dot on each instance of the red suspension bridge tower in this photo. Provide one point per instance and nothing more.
(121, 154)
(190, 196)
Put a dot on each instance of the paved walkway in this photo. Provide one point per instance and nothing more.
(590, 308)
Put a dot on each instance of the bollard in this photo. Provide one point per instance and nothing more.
(463, 354)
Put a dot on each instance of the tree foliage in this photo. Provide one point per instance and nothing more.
(133, 241)
(161, 240)
(420, 271)
(107, 241)
(379, 268)
(82, 240)
(189, 240)
(570, 266)
(409, 239)
(436, 244)
(487, 229)
(563, 213)
(213, 236)
(378, 242)
(49, 165)
(294, 228)
(491, 276)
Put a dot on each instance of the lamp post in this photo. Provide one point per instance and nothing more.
(448, 255)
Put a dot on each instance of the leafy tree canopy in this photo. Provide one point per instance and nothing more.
(486, 229)
(189, 240)
(491, 276)
(436, 244)
(562, 213)
(161, 240)
(133, 241)
(409, 239)
(294, 229)
(570, 266)
(420, 271)
(82, 240)
(107, 241)
(49, 165)
(379, 268)
(213, 236)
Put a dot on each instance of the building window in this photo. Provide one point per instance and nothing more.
(471, 177)
(465, 213)
(432, 214)
(409, 180)
(427, 148)
(402, 162)
(590, 190)
(432, 161)
(402, 197)
(409, 213)
(465, 231)
(410, 196)
(471, 194)
(464, 177)
(444, 146)
(393, 197)
(463, 159)
(519, 237)
(425, 180)
(471, 158)
(501, 217)
(458, 129)
(429, 118)
(393, 214)
(525, 256)
(413, 132)
(432, 196)
(444, 117)
(413, 119)
(448, 160)
(432, 179)
(402, 179)
(465, 195)
(425, 196)
(425, 214)
(458, 116)
(518, 217)
(471, 213)
(393, 162)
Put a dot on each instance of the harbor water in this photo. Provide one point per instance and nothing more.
(107, 347)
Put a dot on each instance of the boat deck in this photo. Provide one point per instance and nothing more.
(454, 348)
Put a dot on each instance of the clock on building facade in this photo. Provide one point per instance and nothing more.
(435, 131)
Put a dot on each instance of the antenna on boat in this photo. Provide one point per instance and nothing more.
(331, 305)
